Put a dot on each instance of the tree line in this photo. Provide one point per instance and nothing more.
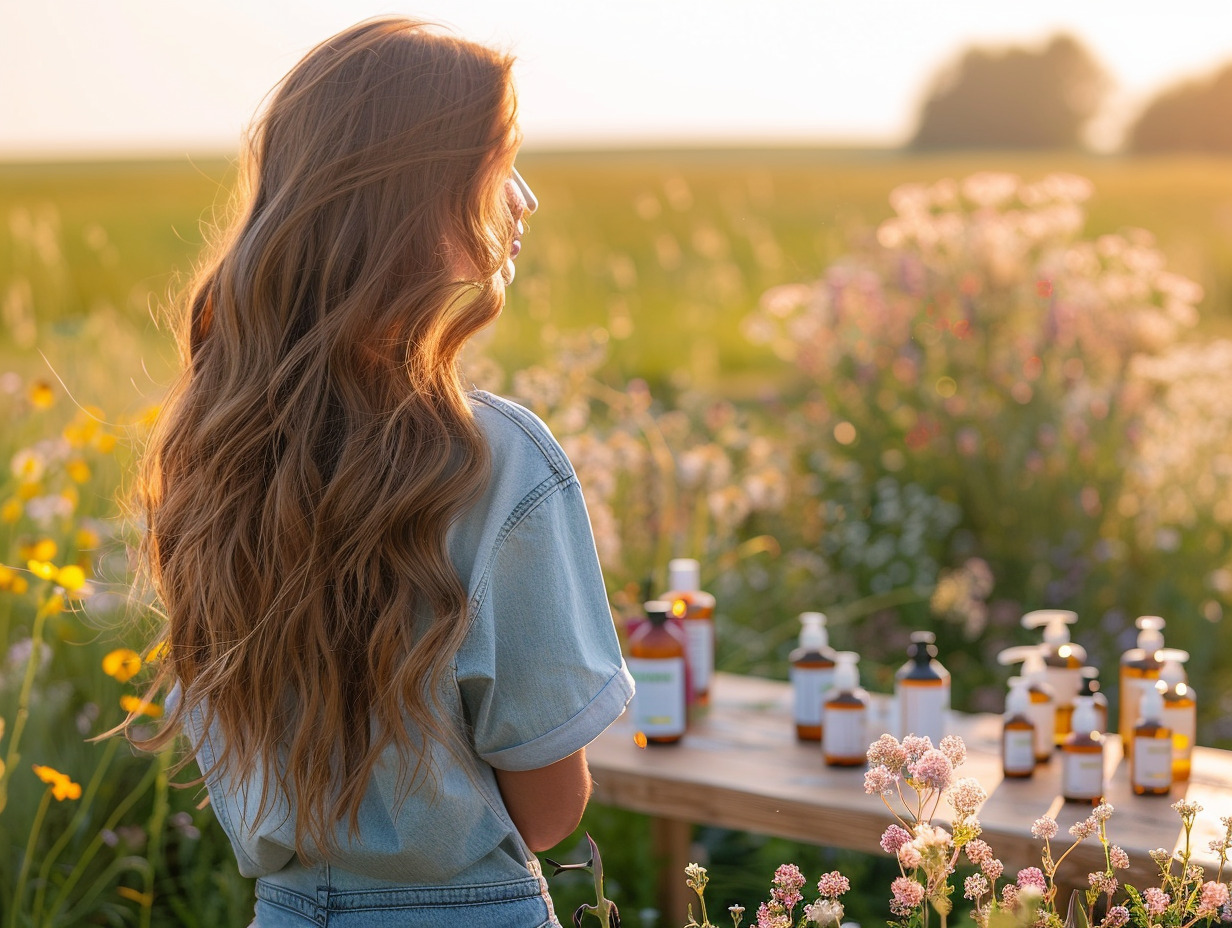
(1046, 97)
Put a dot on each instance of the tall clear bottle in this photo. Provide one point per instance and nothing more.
(1180, 710)
(693, 607)
(845, 723)
(812, 675)
(1063, 662)
(1042, 707)
(657, 665)
(1140, 669)
(1082, 757)
(1018, 732)
(922, 690)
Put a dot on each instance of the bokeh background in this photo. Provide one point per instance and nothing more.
(915, 314)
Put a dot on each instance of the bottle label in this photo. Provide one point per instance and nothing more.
(658, 698)
(809, 686)
(923, 711)
(1153, 762)
(1019, 750)
(1082, 775)
(1183, 723)
(843, 733)
(1043, 716)
(699, 645)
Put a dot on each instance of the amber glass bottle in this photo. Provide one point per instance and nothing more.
(1140, 668)
(1018, 732)
(1082, 757)
(845, 720)
(812, 675)
(693, 608)
(657, 664)
(1150, 765)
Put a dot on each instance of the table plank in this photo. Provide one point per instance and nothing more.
(741, 767)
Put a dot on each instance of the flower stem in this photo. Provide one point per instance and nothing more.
(29, 856)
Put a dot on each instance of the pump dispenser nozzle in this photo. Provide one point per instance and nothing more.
(846, 674)
(813, 634)
(1055, 623)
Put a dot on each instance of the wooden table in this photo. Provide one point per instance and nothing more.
(741, 767)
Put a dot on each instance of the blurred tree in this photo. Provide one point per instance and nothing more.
(1013, 98)
(1192, 116)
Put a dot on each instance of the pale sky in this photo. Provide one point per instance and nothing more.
(172, 76)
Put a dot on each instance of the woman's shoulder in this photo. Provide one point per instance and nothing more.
(519, 440)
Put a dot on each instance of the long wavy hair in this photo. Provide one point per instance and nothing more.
(302, 474)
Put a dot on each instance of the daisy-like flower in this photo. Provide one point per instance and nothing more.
(1045, 828)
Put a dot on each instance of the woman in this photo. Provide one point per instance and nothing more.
(386, 625)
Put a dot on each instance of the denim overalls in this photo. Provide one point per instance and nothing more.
(539, 676)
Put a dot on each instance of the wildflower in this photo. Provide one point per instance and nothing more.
(158, 652)
(135, 706)
(933, 769)
(11, 511)
(824, 912)
(695, 877)
(41, 395)
(834, 884)
(1102, 812)
(1031, 876)
(907, 895)
(78, 470)
(978, 851)
(879, 780)
(895, 837)
(1103, 882)
(1009, 895)
(122, 664)
(1120, 859)
(975, 886)
(992, 867)
(1045, 827)
(72, 578)
(1184, 807)
(1156, 901)
(966, 795)
(917, 745)
(1117, 917)
(736, 912)
(1084, 829)
(62, 787)
(44, 570)
(887, 752)
(909, 856)
(1160, 856)
(953, 747)
(772, 915)
(1214, 897)
(788, 881)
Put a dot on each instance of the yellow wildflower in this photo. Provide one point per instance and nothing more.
(78, 470)
(41, 395)
(61, 786)
(11, 511)
(135, 706)
(13, 582)
(105, 442)
(122, 663)
(28, 489)
(42, 569)
(42, 550)
(54, 605)
(159, 651)
(78, 433)
(87, 539)
(27, 465)
(71, 577)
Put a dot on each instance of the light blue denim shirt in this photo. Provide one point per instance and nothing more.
(539, 676)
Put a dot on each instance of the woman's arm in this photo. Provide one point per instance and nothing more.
(547, 803)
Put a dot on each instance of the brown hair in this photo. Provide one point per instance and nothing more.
(302, 474)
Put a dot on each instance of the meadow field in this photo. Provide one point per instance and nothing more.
(838, 380)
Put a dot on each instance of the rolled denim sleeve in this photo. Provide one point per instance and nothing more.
(541, 674)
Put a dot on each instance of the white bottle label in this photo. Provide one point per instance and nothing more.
(1183, 723)
(1082, 775)
(658, 698)
(1019, 750)
(699, 645)
(809, 686)
(923, 710)
(1152, 762)
(1043, 716)
(844, 733)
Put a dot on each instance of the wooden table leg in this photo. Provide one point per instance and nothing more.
(673, 841)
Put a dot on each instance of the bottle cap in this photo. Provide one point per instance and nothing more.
(813, 634)
(1018, 700)
(1055, 622)
(846, 674)
(657, 610)
(684, 573)
(1151, 705)
(1150, 638)
(1031, 656)
(922, 648)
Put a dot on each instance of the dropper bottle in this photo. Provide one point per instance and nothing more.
(1063, 662)
(812, 675)
(1180, 709)
(845, 739)
(1042, 708)
(1099, 702)
(1018, 732)
(1140, 669)
(1082, 757)
(1150, 765)
(657, 664)
(922, 690)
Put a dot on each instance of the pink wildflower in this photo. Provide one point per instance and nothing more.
(771, 915)
(1032, 876)
(1045, 828)
(1120, 860)
(910, 857)
(992, 867)
(908, 894)
(1214, 897)
(954, 748)
(975, 886)
(834, 884)
(933, 769)
(1103, 882)
(895, 837)
(788, 881)
(880, 780)
(1156, 900)
(1102, 812)
(917, 745)
(1009, 895)
(887, 752)
(966, 795)
(1117, 917)
(978, 850)
(1083, 829)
